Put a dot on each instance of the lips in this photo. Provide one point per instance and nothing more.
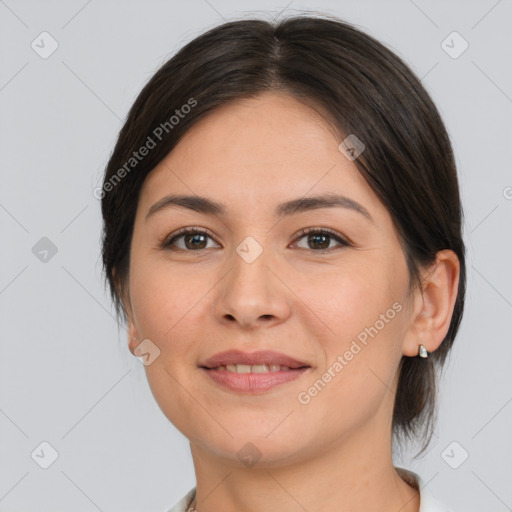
(242, 360)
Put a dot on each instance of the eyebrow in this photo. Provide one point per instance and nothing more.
(209, 207)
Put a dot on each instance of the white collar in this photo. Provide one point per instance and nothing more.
(428, 503)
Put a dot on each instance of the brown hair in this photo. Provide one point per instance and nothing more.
(361, 87)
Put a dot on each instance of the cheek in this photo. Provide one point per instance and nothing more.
(161, 295)
(165, 305)
(344, 301)
(357, 324)
(171, 307)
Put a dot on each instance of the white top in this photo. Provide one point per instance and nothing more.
(427, 502)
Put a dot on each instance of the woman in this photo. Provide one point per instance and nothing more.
(282, 238)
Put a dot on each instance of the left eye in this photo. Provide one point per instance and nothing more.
(322, 237)
(195, 239)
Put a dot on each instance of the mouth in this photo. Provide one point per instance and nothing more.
(254, 368)
(253, 382)
(261, 360)
(254, 372)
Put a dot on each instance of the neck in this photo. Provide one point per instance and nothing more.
(348, 475)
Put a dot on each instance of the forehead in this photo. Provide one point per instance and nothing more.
(271, 128)
(255, 151)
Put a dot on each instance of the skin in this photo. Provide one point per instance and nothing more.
(335, 452)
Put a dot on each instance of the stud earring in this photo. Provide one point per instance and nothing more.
(423, 352)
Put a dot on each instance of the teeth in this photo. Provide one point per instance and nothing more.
(255, 368)
(243, 368)
(259, 368)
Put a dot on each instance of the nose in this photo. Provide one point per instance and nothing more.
(253, 293)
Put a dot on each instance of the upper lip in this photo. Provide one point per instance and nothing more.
(259, 357)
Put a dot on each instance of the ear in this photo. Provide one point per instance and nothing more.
(433, 304)
(131, 328)
(133, 336)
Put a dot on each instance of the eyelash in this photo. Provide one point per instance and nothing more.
(199, 231)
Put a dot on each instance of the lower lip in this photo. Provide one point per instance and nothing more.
(253, 382)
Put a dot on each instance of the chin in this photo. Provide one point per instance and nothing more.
(252, 449)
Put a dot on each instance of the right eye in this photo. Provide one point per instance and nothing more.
(192, 237)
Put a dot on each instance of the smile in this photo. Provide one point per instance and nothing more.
(255, 368)
(253, 378)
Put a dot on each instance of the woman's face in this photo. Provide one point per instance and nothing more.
(254, 282)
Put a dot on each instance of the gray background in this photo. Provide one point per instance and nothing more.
(66, 375)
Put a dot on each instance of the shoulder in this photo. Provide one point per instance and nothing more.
(184, 503)
(428, 503)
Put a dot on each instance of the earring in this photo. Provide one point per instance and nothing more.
(423, 352)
